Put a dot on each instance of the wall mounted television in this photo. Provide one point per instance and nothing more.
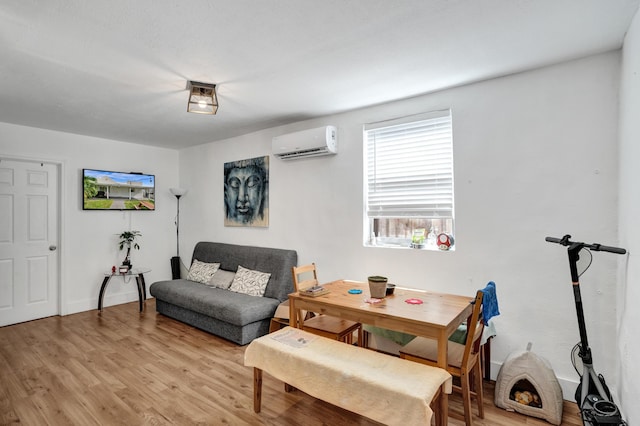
(107, 190)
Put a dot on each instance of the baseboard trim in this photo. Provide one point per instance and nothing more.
(109, 300)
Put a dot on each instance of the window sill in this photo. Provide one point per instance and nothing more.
(405, 247)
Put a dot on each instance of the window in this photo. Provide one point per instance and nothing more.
(409, 180)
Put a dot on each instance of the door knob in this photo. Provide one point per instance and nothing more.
(52, 248)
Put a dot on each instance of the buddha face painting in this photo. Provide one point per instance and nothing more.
(246, 184)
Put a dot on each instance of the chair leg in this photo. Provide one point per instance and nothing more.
(479, 397)
(466, 397)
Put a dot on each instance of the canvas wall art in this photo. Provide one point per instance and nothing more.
(246, 192)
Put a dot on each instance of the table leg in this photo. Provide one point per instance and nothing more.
(444, 407)
(102, 290)
(144, 286)
(257, 389)
(140, 284)
(293, 314)
(486, 356)
(442, 350)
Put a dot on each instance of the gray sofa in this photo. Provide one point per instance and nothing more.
(234, 316)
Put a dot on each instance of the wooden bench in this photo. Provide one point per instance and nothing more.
(384, 388)
(146, 204)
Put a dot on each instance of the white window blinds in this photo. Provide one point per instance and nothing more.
(410, 167)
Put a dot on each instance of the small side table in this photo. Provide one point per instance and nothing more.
(136, 272)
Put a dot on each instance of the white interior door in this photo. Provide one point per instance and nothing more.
(28, 241)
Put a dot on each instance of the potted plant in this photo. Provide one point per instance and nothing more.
(417, 239)
(377, 286)
(128, 239)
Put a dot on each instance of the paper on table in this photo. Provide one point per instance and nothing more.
(293, 337)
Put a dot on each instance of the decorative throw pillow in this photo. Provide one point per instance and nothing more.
(250, 282)
(202, 272)
(222, 279)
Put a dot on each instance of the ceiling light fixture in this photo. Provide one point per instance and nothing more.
(202, 98)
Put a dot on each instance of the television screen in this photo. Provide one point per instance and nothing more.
(104, 190)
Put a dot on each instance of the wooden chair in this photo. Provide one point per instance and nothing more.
(323, 325)
(281, 317)
(463, 360)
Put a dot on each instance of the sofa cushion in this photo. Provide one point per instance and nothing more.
(201, 272)
(222, 279)
(234, 308)
(250, 282)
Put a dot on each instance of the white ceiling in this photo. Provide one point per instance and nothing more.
(118, 69)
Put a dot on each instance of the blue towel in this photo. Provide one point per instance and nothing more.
(489, 302)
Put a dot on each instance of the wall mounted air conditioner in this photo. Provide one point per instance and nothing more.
(306, 143)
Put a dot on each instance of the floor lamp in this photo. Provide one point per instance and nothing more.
(175, 261)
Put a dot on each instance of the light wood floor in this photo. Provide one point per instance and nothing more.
(124, 367)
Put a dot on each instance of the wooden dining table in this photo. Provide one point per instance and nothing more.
(417, 312)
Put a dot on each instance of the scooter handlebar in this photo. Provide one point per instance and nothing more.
(554, 240)
(616, 250)
(565, 241)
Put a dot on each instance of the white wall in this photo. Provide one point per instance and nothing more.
(628, 348)
(88, 239)
(535, 156)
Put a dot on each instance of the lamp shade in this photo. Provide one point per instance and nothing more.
(202, 98)
(178, 192)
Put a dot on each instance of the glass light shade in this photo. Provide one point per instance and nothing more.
(202, 98)
(178, 192)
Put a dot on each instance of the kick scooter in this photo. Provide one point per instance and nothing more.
(592, 395)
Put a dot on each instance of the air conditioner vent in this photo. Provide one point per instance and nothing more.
(307, 143)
